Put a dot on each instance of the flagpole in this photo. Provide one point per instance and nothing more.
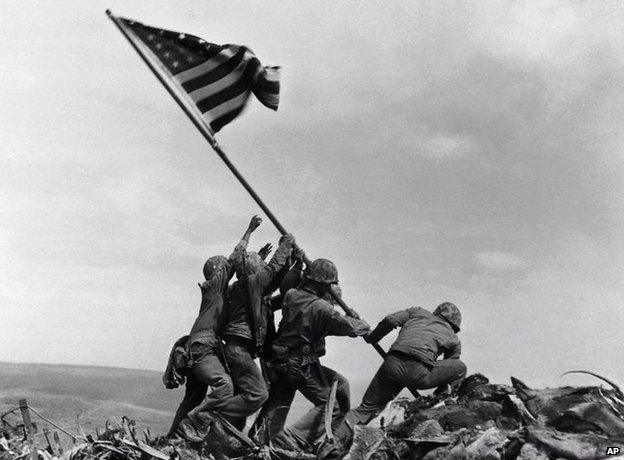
(203, 128)
(192, 112)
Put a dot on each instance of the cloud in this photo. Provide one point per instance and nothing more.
(500, 261)
(440, 147)
(528, 30)
(411, 137)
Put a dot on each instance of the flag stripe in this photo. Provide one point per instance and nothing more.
(227, 106)
(215, 74)
(241, 85)
(228, 80)
(268, 86)
(220, 85)
(219, 123)
(207, 66)
(215, 80)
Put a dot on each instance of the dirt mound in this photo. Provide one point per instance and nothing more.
(491, 421)
(480, 420)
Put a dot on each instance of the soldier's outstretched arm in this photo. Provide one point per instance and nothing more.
(268, 273)
(239, 251)
(254, 223)
(386, 325)
(338, 324)
(241, 246)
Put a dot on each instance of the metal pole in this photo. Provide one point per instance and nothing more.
(191, 111)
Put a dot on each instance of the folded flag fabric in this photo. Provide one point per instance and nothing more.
(218, 79)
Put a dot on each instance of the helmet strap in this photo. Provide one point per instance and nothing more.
(313, 287)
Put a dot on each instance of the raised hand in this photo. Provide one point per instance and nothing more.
(288, 239)
(299, 254)
(265, 251)
(254, 223)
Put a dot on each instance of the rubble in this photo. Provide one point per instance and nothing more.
(493, 421)
(479, 421)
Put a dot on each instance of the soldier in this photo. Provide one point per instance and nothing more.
(412, 362)
(246, 330)
(294, 365)
(205, 336)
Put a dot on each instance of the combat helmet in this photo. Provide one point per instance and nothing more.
(450, 313)
(214, 265)
(322, 271)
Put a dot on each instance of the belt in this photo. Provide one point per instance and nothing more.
(405, 356)
(240, 341)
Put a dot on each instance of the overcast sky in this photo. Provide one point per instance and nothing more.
(460, 151)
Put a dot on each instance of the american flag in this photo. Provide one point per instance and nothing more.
(218, 79)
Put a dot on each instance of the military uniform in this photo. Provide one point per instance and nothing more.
(411, 361)
(294, 366)
(245, 335)
(204, 340)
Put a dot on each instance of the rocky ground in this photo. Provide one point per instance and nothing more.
(480, 421)
(492, 421)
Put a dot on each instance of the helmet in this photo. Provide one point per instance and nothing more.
(214, 265)
(251, 263)
(322, 271)
(450, 313)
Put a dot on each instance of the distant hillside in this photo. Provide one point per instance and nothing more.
(60, 392)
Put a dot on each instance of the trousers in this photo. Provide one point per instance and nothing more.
(207, 371)
(235, 396)
(314, 382)
(250, 388)
(400, 371)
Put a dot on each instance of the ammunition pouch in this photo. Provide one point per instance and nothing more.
(287, 362)
(178, 364)
(182, 360)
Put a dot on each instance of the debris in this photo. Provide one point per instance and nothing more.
(591, 416)
(530, 452)
(365, 439)
(394, 413)
(481, 420)
(488, 445)
(598, 376)
(567, 445)
(428, 429)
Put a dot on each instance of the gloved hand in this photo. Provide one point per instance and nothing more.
(299, 254)
(287, 239)
(265, 251)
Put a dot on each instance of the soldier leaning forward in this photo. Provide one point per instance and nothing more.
(294, 365)
(412, 362)
(204, 366)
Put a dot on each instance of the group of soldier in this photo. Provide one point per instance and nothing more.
(235, 326)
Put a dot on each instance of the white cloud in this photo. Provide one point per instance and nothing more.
(528, 30)
(500, 261)
(439, 146)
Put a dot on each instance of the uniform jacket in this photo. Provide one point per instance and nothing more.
(307, 320)
(423, 335)
(248, 315)
(212, 316)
